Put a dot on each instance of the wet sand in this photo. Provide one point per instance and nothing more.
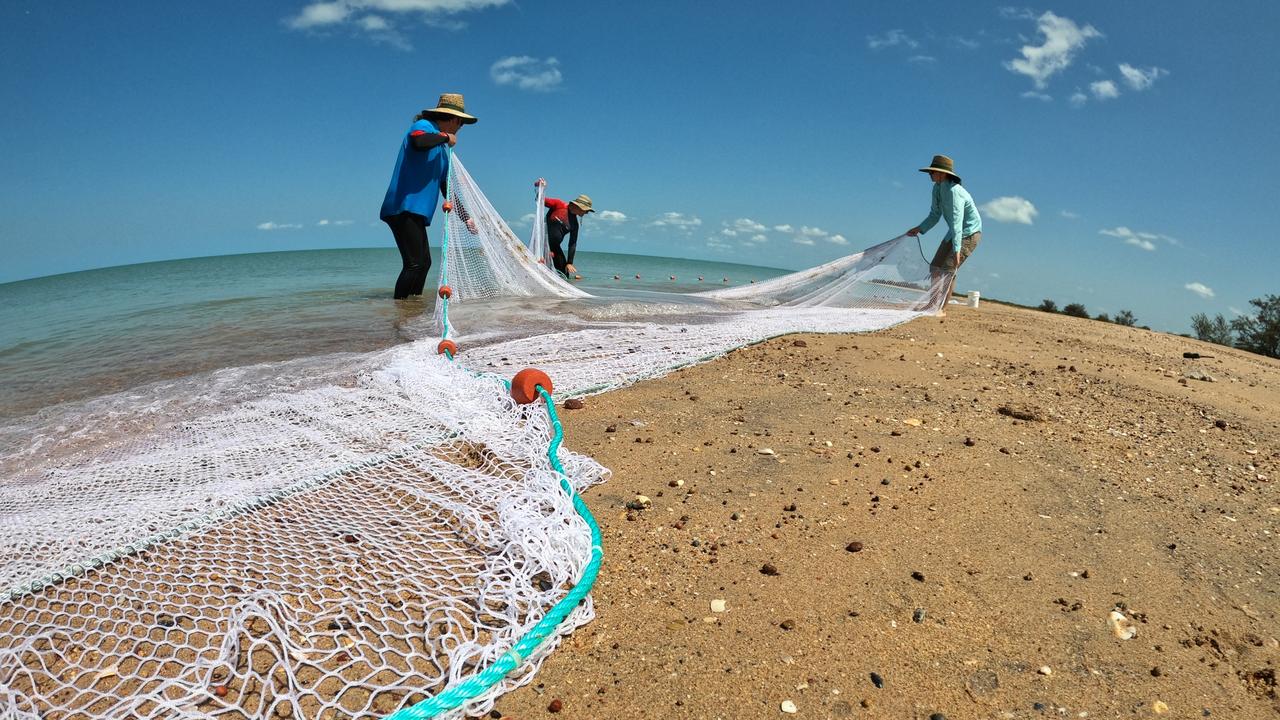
(934, 519)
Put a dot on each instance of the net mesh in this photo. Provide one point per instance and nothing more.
(353, 545)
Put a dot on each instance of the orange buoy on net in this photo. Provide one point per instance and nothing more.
(524, 386)
(447, 207)
(446, 292)
(447, 345)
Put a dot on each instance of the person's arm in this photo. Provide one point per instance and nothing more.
(573, 239)
(955, 221)
(422, 141)
(555, 203)
(935, 211)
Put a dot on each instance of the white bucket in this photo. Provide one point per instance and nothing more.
(973, 298)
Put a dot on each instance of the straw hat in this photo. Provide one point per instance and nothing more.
(942, 164)
(583, 202)
(451, 104)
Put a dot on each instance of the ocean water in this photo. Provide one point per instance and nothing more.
(185, 325)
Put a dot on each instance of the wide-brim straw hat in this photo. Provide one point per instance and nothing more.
(452, 104)
(942, 164)
(583, 202)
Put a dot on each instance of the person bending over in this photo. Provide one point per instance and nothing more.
(562, 219)
(422, 173)
(952, 203)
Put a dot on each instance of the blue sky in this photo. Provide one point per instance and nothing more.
(1123, 153)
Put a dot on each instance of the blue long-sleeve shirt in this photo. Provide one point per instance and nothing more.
(954, 204)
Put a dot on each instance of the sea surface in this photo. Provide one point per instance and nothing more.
(68, 338)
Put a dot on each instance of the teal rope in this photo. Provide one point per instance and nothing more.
(444, 248)
(455, 696)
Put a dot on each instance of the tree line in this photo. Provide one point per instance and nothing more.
(1124, 317)
(1258, 333)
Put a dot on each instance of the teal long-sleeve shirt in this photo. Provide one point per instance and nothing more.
(954, 204)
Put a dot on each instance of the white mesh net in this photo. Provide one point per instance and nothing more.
(351, 546)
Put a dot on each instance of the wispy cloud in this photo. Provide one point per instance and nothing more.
(891, 39)
(1033, 95)
(837, 239)
(1063, 38)
(327, 223)
(784, 228)
(1078, 99)
(801, 240)
(278, 226)
(527, 73)
(1200, 289)
(1140, 79)
(377, 19)
(1011, 209)
(612, 216)
(1069, 215)
(1235, 310)
(677, 220)
(922, 59)
(1137, 239)
(1104, 90)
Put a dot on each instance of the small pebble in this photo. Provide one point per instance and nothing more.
(937, 716)
(768, 569)
(574, 404)
(787, 624)
(877, 680)
(918, 615)
(917, 576)
(717, 605)
(1045, 670)
(854, 546)
(556, 706)
(789, 707)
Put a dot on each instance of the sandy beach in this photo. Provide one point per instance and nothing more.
(1003, 514)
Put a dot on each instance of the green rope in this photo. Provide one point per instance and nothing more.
(455, 696)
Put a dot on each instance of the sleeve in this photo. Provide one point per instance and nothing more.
(421, 140)
(573, 239)
(555, 203)
(935, 211)
(956, 218)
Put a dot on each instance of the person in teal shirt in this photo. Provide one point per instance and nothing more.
(954, 204)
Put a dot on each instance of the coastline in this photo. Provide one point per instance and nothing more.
(969, 558)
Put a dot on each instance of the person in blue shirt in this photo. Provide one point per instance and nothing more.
(421, 175)
(952, 203)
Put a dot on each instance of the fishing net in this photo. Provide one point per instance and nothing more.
(362, 543)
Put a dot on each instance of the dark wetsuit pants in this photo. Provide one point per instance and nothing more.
(410, 230)
(555, 236)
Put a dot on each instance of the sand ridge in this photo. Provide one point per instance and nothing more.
(937, 519)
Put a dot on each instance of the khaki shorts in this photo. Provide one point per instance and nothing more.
(945, 259)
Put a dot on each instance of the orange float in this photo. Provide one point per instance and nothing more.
(447, 345)
(446, 292)
(524, 386)
(447, 207)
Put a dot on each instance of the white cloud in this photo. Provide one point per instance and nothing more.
(1142, 240)
(1140, 79)
(1235, 310)
(1078, 99)
(802, 241)
(1011, 209)
(613, 216)
(812, 231)
(716, 243)
(376, 18)
(922, 59)
(890, 39)
(1200, 289)
(784, 229)
(1069, 215)
(278, 226)
(755, 240)
(526, 219)
(325, 223)
(1013, 13)
(966, 43)
(527, 73)
(837, 240)
(677, 220)
(1033, 95)
(746, 225)
(1063, 38)
(1104, 90)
